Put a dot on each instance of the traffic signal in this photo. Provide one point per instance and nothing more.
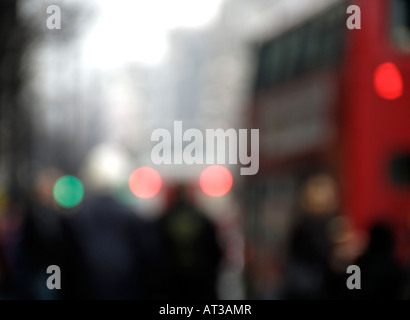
(216, 181)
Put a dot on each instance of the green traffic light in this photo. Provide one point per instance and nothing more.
(68, 191)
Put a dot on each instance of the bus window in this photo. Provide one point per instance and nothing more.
(292, 41)
(401, 24)
(333, 35)
(313, 45)
(400, 169)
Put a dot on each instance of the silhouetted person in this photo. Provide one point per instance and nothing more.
(115, 249)
(381, 274)
(310, 245)
(44, 235)
(44, 245)
(191, 252)
(348, 245)
(113, 258)
(14, 276)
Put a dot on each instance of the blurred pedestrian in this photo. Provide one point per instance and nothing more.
(310, 246)
(115, 250)
(44, 237)
(112, 252)
(191, 252)
(382, 277)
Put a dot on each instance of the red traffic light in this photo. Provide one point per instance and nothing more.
(216, 181)
(145, 182)
(387, 81)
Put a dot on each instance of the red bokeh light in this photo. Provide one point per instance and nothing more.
(216, 181)
(388, 82)
(145, 182)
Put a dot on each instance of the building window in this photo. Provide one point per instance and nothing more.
(400, 169)
(401, 24)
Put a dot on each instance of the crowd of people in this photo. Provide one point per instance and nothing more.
(324, 244)
(105, 250)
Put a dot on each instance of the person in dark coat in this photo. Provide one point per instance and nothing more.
(310, 246)
(114, 253)
(44, 236)
(382, 277)
(191, 252)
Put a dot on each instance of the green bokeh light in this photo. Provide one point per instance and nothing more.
(68, 191)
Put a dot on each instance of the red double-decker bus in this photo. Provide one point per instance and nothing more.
(327, 96)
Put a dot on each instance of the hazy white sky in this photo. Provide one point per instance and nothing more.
(137, 30)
